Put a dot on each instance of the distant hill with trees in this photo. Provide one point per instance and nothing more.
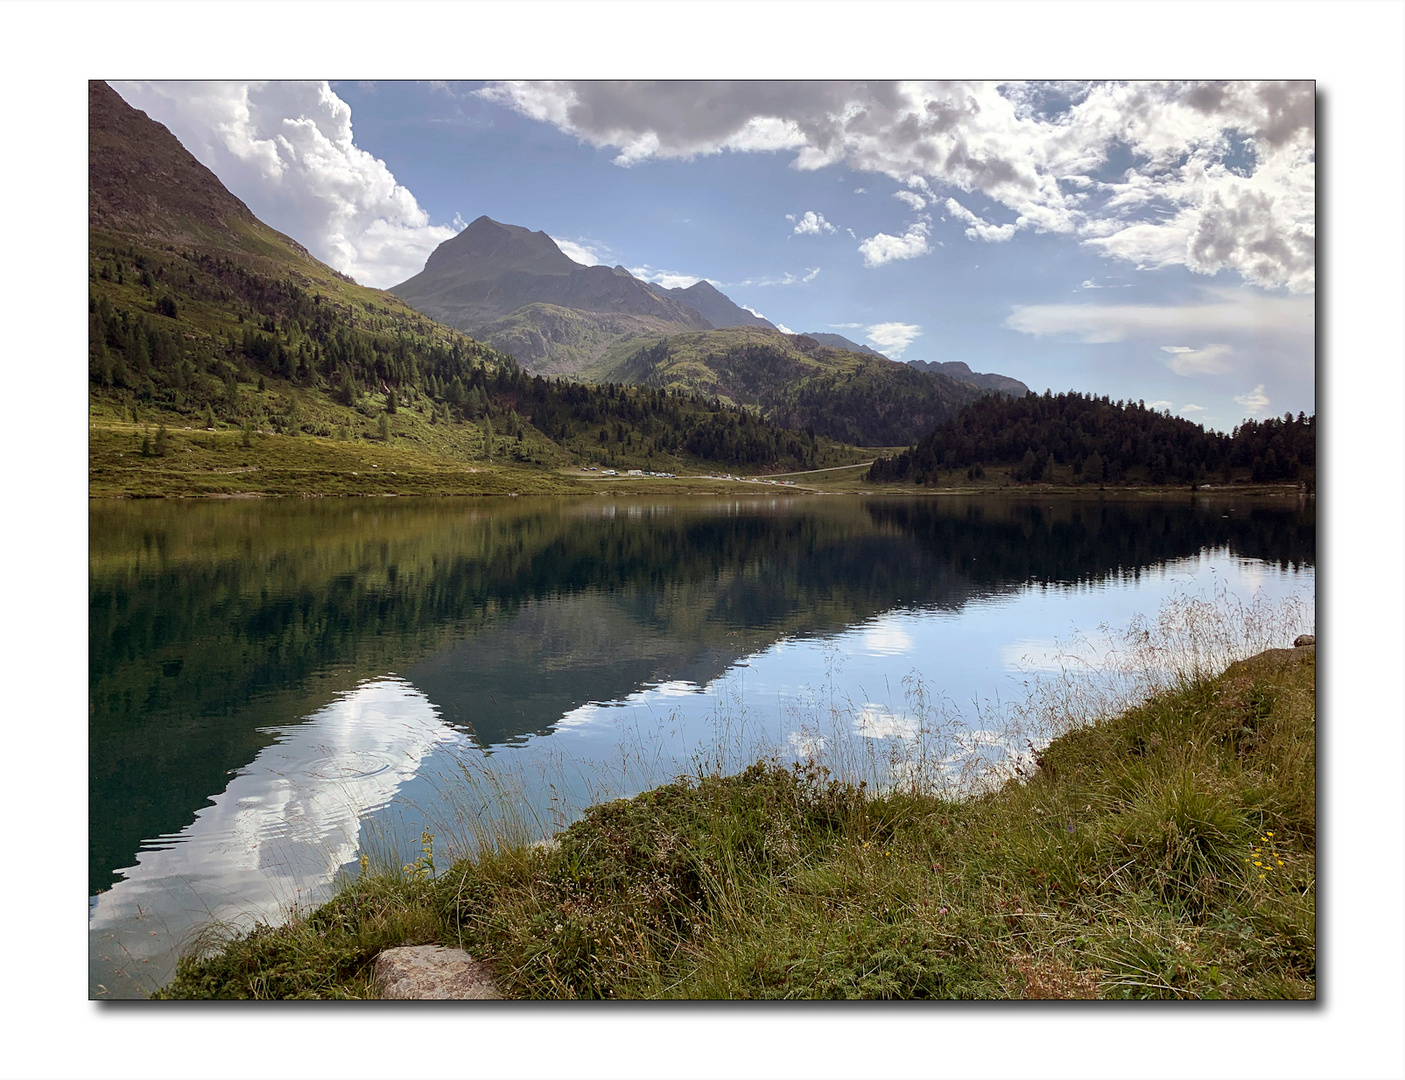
(961, 372)
(795, 381)
(1083, 439)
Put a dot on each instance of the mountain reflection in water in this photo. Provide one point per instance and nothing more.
(254, 641)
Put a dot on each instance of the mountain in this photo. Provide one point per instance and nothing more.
(516, 290)
(839, 341)
(955, 369)
(859, 398)
(226, 342)
(715, 307)
(141, 180)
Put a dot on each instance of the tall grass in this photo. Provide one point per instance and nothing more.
(1142, 825)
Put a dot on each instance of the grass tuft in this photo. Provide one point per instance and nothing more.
(1164, 852)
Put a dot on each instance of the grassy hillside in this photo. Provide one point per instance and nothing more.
(550, 339)
(202, 318)
(794, 381)
(1169, 852)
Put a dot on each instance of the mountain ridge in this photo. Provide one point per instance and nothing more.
(961, 372)
(509, 286)
(716, 307)
(794, 380)
(839, 341)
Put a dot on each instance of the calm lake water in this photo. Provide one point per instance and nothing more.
(276, 687)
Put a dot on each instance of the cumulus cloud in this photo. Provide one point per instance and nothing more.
(885, 248)
(287, 149)
(668, 279)
(1158, 404)
(979, 229)
(914, 200)
(810, 223)
(582, 251)
(1254, 402)
(892, 338)
(1191, 409)
(1221, 175)
(1210, 360)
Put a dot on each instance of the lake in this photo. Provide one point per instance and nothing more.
(277, 687)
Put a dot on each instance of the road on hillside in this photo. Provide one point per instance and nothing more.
(832, 468)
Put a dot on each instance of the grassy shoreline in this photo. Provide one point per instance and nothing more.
(228, 463)
(1167, 852)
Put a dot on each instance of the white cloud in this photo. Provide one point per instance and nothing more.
(1216, 310)
(1210, 360)
(980, 229)
(845, 326)
(788, 278)
(287, 150)
(860, 191)
(917, 202)
(1221, 176)
(1192, 408)
(668, 279)
(783, 328)
(884, 248)
(810, 224)
(892, 338)
(1158, 404)
(581, 252)
(1254, 401)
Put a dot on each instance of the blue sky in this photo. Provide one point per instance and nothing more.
(1151, 241)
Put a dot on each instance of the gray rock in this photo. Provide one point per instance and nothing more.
(1304, 639)
(424, 972)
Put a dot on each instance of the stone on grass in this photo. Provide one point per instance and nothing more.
(1304, 639)
(430, 972)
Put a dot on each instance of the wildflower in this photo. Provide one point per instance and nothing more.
(941, 911)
